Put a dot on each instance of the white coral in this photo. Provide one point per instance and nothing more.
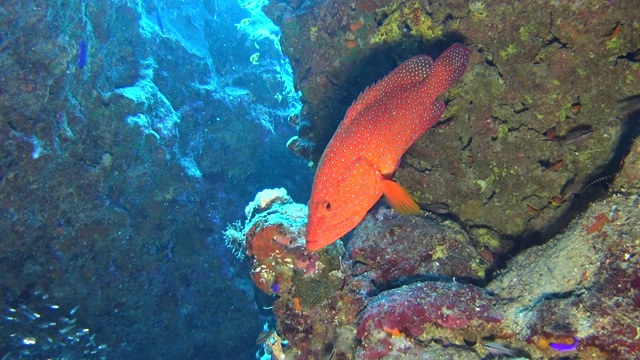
(264, 199)
(235, 240)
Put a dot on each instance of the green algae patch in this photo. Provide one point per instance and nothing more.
(510, 50)
(503, 131)
(526, 31)
(313, 291)
(615, 44)
(412, 20)
(313, 33)
(481, 83)
(478, 10)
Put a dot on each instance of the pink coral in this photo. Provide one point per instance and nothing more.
(444, 308)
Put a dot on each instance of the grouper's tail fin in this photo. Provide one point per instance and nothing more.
(449, 67)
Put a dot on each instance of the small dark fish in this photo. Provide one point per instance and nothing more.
(66, 320)
(82, 54)
(45, 325)
(28, 313)
(572, 189)
(264, 336)
(67, 329)
(436, 208)
(577, 136)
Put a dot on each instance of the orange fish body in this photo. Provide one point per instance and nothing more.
(359, 162)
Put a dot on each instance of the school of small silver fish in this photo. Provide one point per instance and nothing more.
(43, 330)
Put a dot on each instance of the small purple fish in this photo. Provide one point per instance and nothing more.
(565, 347)
(82, 54)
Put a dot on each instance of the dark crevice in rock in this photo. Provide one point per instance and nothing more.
(488, 59)
(556, 296)
(398, 283)
(595, 187)
(555, 41)
(633, 57)
(465, 142)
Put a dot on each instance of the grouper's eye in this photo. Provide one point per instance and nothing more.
(326, 205)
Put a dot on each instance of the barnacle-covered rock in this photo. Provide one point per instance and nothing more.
(390, 249)
(274, 233)
(310, 285)
(406, 318)
(582, 287)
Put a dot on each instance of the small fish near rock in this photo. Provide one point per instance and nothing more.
(358, 165)
(82, 54)
(576, 136)
(498, 349)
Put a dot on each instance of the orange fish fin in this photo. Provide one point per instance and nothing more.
(449, 67)
(399, 198)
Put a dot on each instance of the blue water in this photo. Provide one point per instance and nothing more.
(133, 132)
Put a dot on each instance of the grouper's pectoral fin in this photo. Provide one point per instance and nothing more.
(399, 198)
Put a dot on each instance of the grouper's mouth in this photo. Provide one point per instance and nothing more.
(311, 243)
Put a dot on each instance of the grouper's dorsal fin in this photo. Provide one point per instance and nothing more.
(409, 74)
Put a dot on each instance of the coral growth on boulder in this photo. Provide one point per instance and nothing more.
(430, 311)
(388, 295)
(390, 249)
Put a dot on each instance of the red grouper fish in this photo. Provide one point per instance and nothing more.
(358, 165)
